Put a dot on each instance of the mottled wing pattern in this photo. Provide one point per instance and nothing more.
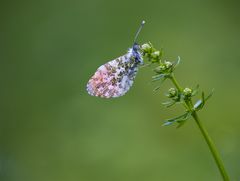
(114, 78)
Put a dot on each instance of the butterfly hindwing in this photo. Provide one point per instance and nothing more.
(114, 78)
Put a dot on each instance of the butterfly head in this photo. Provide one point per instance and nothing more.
(136, 47)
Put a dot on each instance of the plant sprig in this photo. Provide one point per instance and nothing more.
(163, 71)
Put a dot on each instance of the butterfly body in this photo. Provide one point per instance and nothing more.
(115, 78)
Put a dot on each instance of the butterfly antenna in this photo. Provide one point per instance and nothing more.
(139, 29)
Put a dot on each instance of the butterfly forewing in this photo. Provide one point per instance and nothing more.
(114, 78)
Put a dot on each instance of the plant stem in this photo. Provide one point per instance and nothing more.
(172, 77)
(204, 132)
(212, 147)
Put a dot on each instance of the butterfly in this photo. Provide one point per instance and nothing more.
(115, 78)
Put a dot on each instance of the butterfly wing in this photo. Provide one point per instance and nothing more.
(114, 78)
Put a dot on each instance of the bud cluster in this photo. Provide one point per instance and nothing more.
(172, 92)
(179, 96)
(153, 55)
(163, 68)
(187, 92)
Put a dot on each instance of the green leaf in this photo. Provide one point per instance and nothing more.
(157, 88)
(195, 90)
(169, 103)
(145, 65)
(181, 123)
(200, 103)
(203, 98)
(158, 77)
(178, 119)
(183, 120)
(210, 95)
(167, 123)
(176, 63)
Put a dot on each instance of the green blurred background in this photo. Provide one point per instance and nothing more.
(52, 130)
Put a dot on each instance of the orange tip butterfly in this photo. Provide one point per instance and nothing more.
(115, 78)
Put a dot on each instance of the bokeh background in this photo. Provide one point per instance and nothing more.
(52, 130)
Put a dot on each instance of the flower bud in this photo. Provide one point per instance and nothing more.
(155, 54)
(187, 92)
(160, 69)
(172, 92)
(146, 47)
(168, 64)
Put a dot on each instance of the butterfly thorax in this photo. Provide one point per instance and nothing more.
(137, 54)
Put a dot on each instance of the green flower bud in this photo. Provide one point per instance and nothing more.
(155, 54)
(172, 92)
(146, 47)
(160, 69)
(168, 64)
(187, 92)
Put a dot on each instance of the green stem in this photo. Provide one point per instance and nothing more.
(204, 132)
(175, 82)
(212, 147)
